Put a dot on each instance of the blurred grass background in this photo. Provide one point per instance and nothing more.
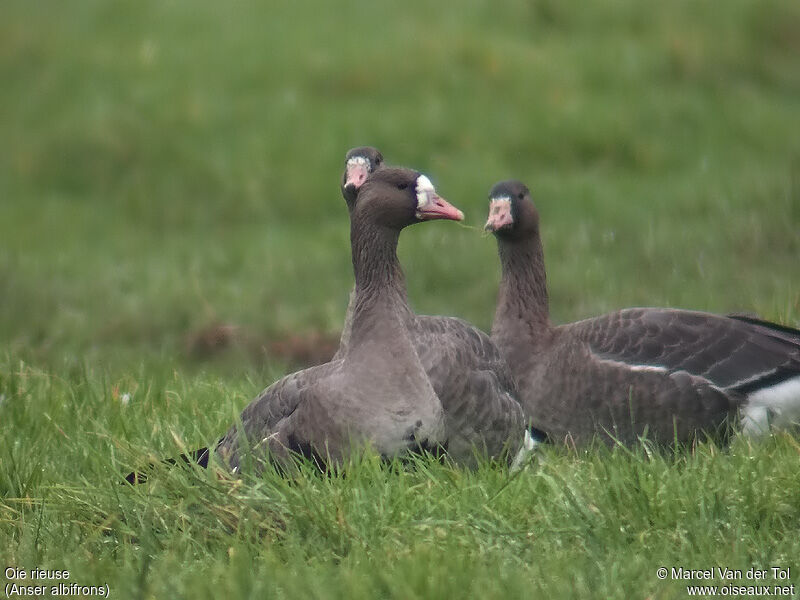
(170, 167)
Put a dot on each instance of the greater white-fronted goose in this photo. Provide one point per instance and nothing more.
(661, 373)
(378, 392)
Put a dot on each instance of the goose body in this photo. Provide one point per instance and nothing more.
(377, 393)
(666, 374)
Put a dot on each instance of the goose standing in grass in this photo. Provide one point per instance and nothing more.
(661, 373)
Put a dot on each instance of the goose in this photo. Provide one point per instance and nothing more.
(378, 392)
(665, 374)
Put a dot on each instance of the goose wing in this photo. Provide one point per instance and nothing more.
(739, 354)
(266, 418)
(474, 384)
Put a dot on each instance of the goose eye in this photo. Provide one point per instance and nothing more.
(520, 195)
(402, 186)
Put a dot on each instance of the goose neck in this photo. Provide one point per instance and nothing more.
(380, 293)
(523, 286)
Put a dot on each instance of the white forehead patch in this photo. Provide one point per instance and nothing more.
(425, 190)
(500, 200)
(359, 161)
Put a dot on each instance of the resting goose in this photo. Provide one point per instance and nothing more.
(378, 392)
(664, 373)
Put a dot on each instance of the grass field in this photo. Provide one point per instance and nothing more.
(169, 168)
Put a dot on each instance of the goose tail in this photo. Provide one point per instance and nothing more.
(196, 457)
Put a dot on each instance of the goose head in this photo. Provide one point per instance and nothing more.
(396, 198)
(359, 163)
(512, 214)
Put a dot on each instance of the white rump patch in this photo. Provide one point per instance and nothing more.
(754, 420)
(425, 190)
(776, 406)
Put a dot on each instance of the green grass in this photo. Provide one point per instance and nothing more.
(166, 166)
(595, 523)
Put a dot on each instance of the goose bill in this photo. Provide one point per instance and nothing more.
(357, 173)
(438, 208)
(499, 214)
